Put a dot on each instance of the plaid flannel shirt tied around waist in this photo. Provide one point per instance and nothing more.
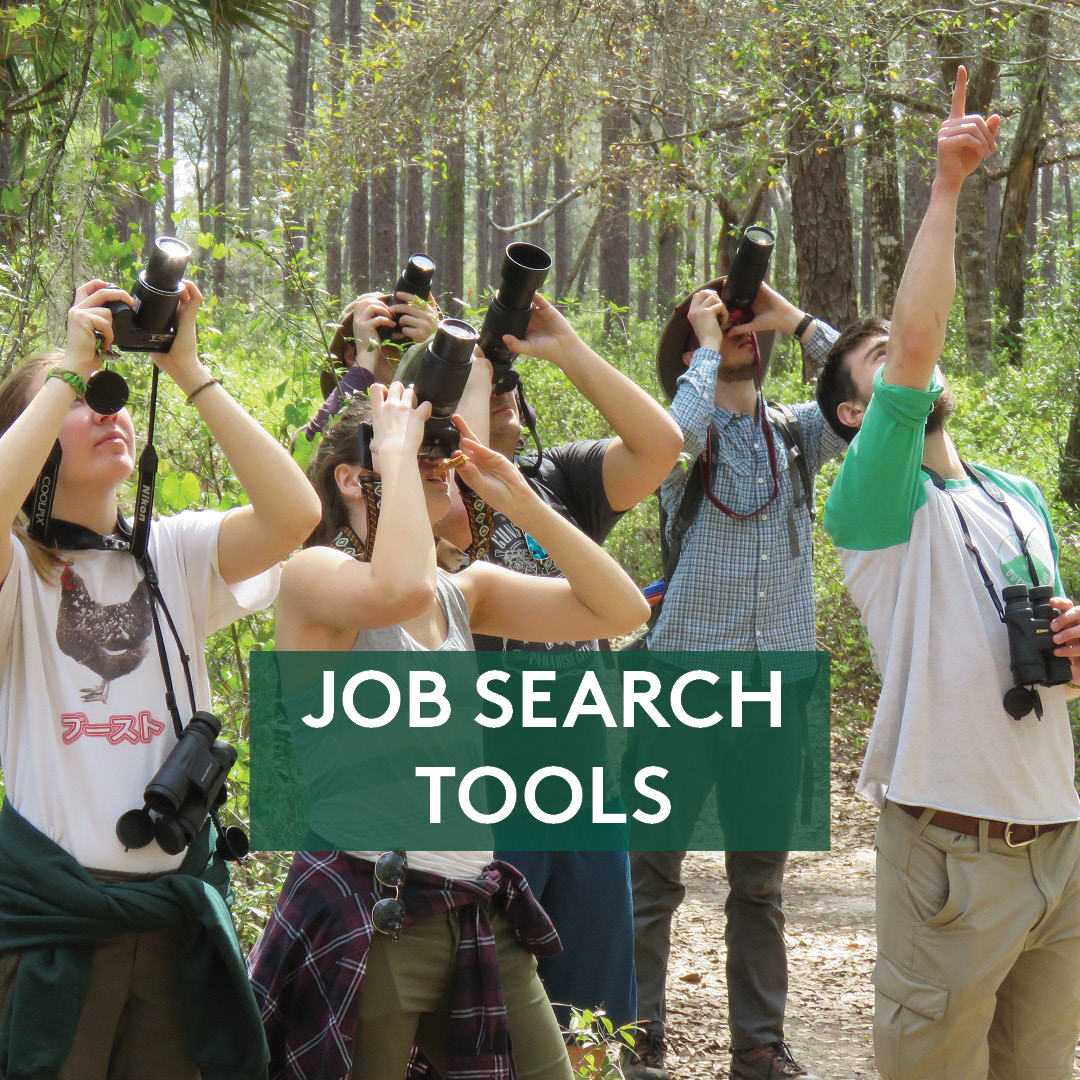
(308, 968)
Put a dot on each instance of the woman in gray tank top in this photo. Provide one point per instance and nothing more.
(334, 599)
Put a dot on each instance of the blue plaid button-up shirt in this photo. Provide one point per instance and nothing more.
(742, 584)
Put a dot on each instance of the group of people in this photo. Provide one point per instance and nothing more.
(122, 962)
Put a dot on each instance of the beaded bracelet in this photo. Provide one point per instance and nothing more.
(199, 389)
(72, 378)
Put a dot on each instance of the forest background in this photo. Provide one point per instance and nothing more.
(304, 150)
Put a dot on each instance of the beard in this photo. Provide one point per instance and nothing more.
(731, 373)
(943, 409)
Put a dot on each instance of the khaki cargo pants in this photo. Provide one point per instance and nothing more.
(978, 968)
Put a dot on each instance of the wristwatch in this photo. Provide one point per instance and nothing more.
(804, 322)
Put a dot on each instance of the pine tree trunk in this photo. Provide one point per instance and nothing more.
(972, 253)
(820, 203)
(221, 166)
(502, 204)
(1019, 184)
(337, 40)
(667, 268)
(245, 186)
(169, 152)
(615, 231)
(358, 227)
(916, 197)
(384, 238)
(644, 248)
(454, 201)
(561, 227)
(882, 187)
(297, 81)
(483, 209)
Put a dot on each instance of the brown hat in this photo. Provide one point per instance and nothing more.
(676, 333)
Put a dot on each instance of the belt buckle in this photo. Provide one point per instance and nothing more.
(1022, 843)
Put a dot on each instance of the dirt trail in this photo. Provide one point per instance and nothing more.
(829, 901)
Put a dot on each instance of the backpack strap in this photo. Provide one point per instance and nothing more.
(790, 427)
(671, 546)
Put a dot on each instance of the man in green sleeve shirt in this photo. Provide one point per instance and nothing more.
(978, 845)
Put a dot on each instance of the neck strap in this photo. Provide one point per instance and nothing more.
(992, 492)
(705, 462)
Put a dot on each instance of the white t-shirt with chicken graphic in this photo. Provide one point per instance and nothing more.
(83, 719)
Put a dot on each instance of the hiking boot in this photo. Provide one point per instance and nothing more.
(773, 1061)
(646, 1060)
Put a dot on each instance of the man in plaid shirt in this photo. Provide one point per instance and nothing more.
(743, 583)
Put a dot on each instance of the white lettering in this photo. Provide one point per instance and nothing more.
(738, 696)
(506, 710)
(419, 696)
(348, 696)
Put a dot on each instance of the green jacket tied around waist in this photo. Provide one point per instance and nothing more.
(54, 914)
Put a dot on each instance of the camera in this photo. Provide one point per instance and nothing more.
(189, 785)
(149, 326)
(524, 269)
(1028, 614)
(747, 272)
(438, 372)
(416, 281)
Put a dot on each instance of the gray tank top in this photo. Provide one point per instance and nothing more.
(396, 639)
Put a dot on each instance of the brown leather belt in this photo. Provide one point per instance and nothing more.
(1015, 835)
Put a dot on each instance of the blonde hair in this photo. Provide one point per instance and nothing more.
(14, 397)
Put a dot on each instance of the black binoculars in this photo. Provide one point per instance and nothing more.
(438, 373)
(416, 281)
(524, 269)
(1028, 614)
(188, 786)
(747, 272)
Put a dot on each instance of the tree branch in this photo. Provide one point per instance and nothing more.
(544, 214)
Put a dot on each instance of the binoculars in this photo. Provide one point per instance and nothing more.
(438, 373)
(1028, 614)
(747, 272)
(416, 281)
(524, 269)
(189, 785)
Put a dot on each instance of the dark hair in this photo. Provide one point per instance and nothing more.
(835, 384)
(14, 397)
(340, 446)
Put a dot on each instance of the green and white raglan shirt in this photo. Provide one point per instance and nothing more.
(941, 736)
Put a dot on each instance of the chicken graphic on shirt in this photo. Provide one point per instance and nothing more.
(110, 639)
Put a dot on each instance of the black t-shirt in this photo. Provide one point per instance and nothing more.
(571, 482)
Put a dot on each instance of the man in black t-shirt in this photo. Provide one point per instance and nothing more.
(592, 483)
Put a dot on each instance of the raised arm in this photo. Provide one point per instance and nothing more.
(926, 291)
(26, 444)
(647, 441)
(323, 588)
(596, 599)
(284, 507)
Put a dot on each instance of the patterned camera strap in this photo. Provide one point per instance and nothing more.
(477, 511)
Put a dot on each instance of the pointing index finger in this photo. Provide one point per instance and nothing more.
(959, 94)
